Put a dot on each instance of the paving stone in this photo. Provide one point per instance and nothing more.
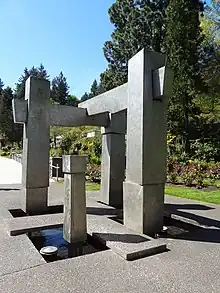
(16, 254)
(17, 226)
(123, 241)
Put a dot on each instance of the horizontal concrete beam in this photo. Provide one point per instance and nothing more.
(60, 115)
(112, 101)
(19, 108)
(116, 99)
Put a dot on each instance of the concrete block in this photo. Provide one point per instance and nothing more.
(74, 164)
(117, 124)
(112, 101)
(19, 108)
(113, 169)
(140, 126)
(162, 83)
(143, 207)
(35, 167)
(75, 225)
(125, 242)
(36, 200)
(18, 226)
(60, 115)
(17, 254)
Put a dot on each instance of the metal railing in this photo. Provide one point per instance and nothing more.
(57, 171)
(18, 158)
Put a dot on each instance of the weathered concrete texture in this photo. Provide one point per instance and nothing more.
(191, 265)
(22, 225)
(75, 226)
(115, 101)
(162, 83)
(123, 241)
(113, 169)
(36, 135)
(17, 254)
(143, 207)
(36, 200)
(61, 115)
(117, 123)
(20, 109)
(141, 130)
(74, 164)
(146, 142)
(174, 271)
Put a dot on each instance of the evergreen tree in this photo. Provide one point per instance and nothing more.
(94, 91)
(20, 85)
(60, 89)
(213, 11)
(138, 24)
(1, 84)
(8, 129)
(72, 101)
(42, 72)
(84, 97)
(183, 39)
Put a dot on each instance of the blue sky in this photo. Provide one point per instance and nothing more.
(65, 35)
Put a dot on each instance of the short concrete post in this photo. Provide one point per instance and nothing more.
(75, 225)
(113, 160)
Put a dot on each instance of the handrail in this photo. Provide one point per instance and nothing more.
(57, 170)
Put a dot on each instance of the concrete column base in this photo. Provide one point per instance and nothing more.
(143, 207)
(36, 200)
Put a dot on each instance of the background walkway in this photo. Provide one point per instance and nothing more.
(10, 171)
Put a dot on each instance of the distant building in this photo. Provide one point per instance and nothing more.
(93, 133)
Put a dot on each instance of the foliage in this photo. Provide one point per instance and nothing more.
(75, 141)
(39, 72)
(10, 131)
(192, 172)
(60, 89)
(183, 38)
(213, 12)
(93, 173)
(138, 24)
(72, 101)
(1, 84)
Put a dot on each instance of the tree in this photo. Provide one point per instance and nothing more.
(72, 101)
(138, 24)
(94, 91)
(42, 72)
(1, 84)
(84, 97)
(213, 11)
(8, 129)
(183, 39)
(60, 89)
(20, 85)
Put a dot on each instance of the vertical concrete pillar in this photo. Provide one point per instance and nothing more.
(113, 160)
(146, 146)
(74, 227)
(35, 167)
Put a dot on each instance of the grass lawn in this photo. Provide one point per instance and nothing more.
(92, 186)
(191, 193)
(178, 191)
